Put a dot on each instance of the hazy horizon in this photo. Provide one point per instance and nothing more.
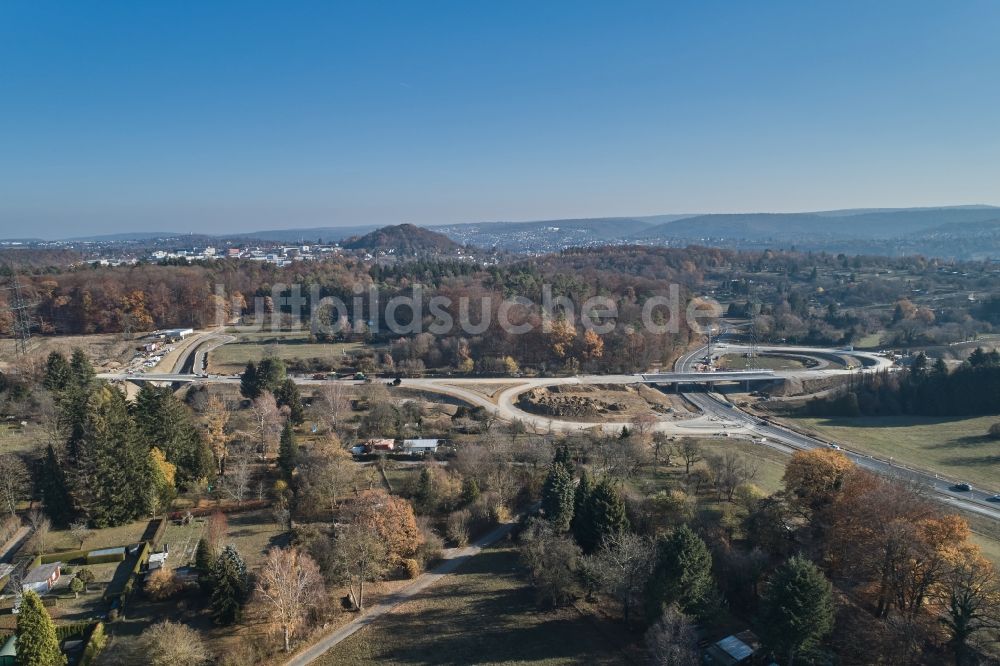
(235, 117)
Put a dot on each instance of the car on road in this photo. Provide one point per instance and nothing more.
(961, 487)
(834, 447)
(994, 498)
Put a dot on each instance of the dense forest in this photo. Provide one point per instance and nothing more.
(924, 389)
(794, 297)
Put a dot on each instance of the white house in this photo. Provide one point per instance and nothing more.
(42, 578)
(420, 446)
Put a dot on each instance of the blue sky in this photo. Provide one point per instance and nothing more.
(227, 116)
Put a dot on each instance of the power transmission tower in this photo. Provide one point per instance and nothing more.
(20, 311)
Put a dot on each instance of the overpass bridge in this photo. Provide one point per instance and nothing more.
(710, 377)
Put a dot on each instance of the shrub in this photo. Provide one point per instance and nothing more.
(457, 527)
(412, 568)
(431, 549)
(162, 584)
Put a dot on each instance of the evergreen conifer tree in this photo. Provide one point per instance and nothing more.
(288, 450)
(558, 494)
(37, 644)
(682, 574)
(248, 381)
(798, 608)
(287, 395)
(229, 586)
(57, 372)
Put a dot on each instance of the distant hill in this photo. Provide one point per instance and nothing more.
(308, 235)
(133, 236)
(551, 235)
(805, 227)
(403, 239)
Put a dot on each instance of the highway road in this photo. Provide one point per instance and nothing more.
(784, 439)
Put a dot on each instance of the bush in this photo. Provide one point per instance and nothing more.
(162, 584)
(457, 527)
(412, 567)
(431, 546)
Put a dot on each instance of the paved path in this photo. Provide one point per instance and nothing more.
(454, 558)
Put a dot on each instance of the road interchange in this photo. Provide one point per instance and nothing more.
(719, 417)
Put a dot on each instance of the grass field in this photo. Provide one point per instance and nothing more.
(286, 345)
(484, 614)
(254, 533)
(955, 448)
(990, 547)
(761, 362)
(771, 467)
(15, 439)
(102, 348)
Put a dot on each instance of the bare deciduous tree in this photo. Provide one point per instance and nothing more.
(621, 567)
(729, 471)
(239, 470)
(15, 481)
(80, 531)
(324, 477)
(267, 423)
(41, 527)
(362, 557)
(690, 452)
(290, 584)
(672, 640)
(333, 402)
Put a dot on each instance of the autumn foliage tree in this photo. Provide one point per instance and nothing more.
(392, 519)
(290, 584)
(813, 478)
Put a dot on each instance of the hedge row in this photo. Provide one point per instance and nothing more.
(95, 642)
(105, 558)
(78, 629)
(64, 556)
(201, 512)
(154, 531)
(125, 574)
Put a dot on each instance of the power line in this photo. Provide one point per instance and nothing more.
(20, 309)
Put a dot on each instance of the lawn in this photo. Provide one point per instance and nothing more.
(770, 467)
(990, 547)
(956, 448)
(109, 537)
(253, 534)
(22, 440)
(483, 614)
(286, 345)
(760, 362)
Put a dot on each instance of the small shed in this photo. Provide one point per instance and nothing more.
(731, 650)
(8, 653)
(157, 561)
(381, 444)
(42, 578)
